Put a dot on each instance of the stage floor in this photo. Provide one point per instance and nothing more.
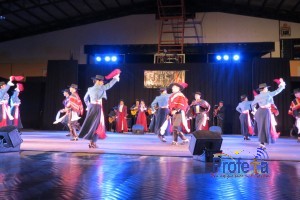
(126, 166)
(149, 144)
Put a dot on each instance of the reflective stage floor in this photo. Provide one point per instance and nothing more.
(72, 171)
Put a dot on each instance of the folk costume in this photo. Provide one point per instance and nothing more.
(244, 108)
(75, 109)
(15, 103)
(263, 116)
(5, 116)
(295, 110)
(178, 105)
(93, 126)
(162, 113)
(121, 118)
(199, 109)
(141, 116)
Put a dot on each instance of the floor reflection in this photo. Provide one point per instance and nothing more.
(46, 175)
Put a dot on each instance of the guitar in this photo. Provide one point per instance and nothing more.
(111, 119)
(133, 112)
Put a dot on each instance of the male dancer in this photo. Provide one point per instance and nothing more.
(266, 130)
(244, 108)
(199, 109)
(93, 125)
(15, 106)
(75, 109)
(295, 110)
(178, 104)
(5, 115)
(162, 112)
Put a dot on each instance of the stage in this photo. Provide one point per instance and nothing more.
(148, 144)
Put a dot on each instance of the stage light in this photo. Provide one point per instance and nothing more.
(218, 57)
(114, 58)
(98, 58)
(107, 58)
(226, 57)
(236, 57)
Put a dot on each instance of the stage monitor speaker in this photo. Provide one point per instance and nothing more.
(137, 129)
(10, 139)
(205, 143)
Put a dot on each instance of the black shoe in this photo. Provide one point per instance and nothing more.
(246, 138)
(74, 139)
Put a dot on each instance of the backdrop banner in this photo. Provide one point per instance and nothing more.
(158, 79)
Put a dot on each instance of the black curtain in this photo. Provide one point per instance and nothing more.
(216, 81)
(60, 75)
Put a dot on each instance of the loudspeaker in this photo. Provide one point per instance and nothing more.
(205, 143)
(138, 129)
(10, 139)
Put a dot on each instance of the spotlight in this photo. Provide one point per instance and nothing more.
(218, 57)
(107, 58)
(236, 57)
(98, 58)
(226, 57)
(114, 58)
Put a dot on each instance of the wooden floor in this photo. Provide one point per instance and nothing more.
(149, 144)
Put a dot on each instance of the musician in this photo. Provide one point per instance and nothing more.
(220, 115)
(121, 118)
(5, 116)
(178, 105)
(263, 118)
(15, 103)
(244, 108)
(75, 108)
(112, 119)
(199, 109)
(134, 110)
(215, 112)
(295, 110)
(161, 113)
(141, 116)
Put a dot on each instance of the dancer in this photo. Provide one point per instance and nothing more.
(141, 116)
(93, 126)
(162, 113)
(5, 116)
(64, 111)
(75, 108)
(266, 130)
(178, 105)
(244, 108)
(121, 118)
(15, 103)
(199, 109)
(295, 110)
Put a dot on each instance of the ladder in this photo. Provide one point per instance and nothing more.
(176, 27)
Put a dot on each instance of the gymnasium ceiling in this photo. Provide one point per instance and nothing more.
(22, 18)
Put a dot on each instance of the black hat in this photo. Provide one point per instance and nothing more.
(65, 90)
(2, 83)
(297, 90)
(74, 86)
(162, 89)
(262, 86)
(243, 97)
(98, 77)
(199, 93)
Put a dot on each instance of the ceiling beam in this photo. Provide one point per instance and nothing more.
(74, 7)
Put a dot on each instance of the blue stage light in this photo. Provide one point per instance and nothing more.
(236, 57)
(218, 57)
(114, 58)
(226, 57)
(98, 58)
(107, 58)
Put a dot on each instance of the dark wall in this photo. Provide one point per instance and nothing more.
(216, 82)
